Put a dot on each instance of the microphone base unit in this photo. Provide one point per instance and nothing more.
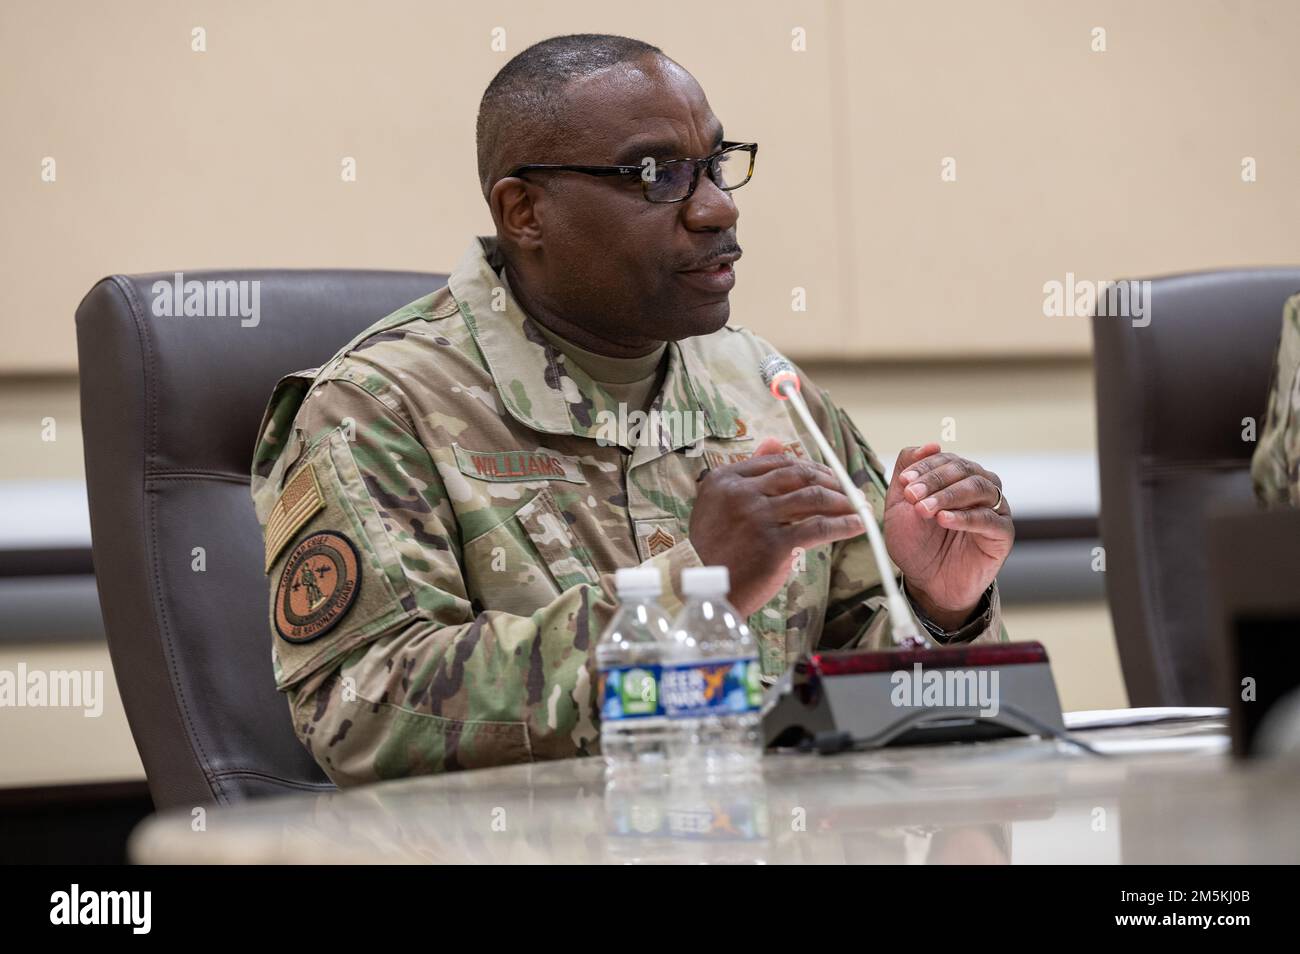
(866, 699)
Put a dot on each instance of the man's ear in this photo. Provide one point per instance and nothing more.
(515, 214)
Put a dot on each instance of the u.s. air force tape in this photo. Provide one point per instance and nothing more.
(318, 585)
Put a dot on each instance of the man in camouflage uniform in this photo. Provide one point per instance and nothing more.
(1275, 468)
(446, 500)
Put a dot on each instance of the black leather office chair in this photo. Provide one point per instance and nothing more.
(1171, 399)
(170, 408)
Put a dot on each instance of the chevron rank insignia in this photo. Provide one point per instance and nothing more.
(298, 502)
(659, 541)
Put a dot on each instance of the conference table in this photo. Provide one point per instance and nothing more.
(1167, 792)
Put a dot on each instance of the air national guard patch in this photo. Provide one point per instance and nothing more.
(319, 583)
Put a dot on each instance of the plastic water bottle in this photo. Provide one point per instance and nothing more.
(711, 684)
(633, 728)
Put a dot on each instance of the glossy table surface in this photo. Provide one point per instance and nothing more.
(1166, 793)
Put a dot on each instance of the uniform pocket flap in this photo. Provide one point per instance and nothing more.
(546, 527)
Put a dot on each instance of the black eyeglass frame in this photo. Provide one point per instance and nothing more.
(724, 147)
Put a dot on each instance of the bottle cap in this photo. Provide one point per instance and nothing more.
(706, 581)
(637, 581)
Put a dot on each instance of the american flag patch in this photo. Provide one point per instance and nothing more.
(299, 500)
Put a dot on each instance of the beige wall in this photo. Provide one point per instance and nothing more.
(51, 746)
(1099, 163)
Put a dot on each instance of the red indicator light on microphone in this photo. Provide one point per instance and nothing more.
(782, 379)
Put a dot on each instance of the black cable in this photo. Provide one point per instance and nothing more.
(1059, 735)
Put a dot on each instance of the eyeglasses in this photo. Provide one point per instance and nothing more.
(673, 180)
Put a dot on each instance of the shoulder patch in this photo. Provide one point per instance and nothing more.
(318, 585)
(297, 503)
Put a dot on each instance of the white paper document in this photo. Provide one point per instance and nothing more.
(1114, 718)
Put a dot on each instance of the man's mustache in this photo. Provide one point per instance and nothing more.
(702, 261)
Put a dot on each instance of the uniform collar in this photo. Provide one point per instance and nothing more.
(543, 392)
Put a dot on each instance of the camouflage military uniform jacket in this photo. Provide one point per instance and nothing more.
(445, 503)
(1275, 467)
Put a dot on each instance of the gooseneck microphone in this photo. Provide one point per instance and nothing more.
(782, 379)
